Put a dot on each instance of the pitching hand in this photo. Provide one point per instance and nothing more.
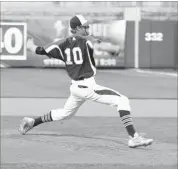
(30, 44)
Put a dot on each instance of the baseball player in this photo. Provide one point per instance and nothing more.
(76, 52)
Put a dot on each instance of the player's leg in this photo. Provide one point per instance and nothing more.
(111, 97)
(70, 108)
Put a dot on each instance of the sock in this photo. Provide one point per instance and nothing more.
(42, 119)
(127, 121)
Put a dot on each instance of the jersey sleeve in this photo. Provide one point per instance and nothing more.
(54, 50)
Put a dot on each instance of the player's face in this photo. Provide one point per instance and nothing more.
(84, 30)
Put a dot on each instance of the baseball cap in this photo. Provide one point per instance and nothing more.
(78, 20)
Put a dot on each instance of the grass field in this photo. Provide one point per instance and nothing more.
(84, 142)
(54, 83)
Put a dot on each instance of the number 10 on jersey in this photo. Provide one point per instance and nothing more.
(13, 41)
(74, 56)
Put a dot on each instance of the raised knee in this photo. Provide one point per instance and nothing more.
(124, 103)
(125, 99)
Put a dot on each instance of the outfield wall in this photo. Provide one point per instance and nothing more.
(158, 44)
(50, 30)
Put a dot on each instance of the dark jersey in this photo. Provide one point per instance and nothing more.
(77, 53)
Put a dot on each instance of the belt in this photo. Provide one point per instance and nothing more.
(84, 81)
(82, 86)
(82, 78)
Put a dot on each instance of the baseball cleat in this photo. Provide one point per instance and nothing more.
(26, 125)
(138, 141)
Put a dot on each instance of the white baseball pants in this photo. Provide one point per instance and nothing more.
(87, 89)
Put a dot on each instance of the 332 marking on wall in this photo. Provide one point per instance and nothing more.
(154, 36)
